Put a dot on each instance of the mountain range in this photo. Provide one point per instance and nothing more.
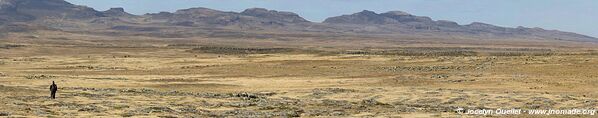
(64, 16)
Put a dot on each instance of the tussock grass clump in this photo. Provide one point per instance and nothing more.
(42, 76)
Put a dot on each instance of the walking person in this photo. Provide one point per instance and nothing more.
(53, 89)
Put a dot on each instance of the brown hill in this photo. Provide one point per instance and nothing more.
(60, 14)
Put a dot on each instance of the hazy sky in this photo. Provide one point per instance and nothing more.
(578, 16)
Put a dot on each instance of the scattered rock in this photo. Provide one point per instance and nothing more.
(294, 113)
(454, 100)
(338, 103)
(461, 80)
(439, 76)
(4, 114)
(433, 101)
(167, 117)
(90, 95)
(91, 109)
(157, 109)
(540, 103)
(246, 96)
(198, 66)
(325, 112)
(109, 78)
(40, 76)
(128, 114)
(188, 110)
(266, 93)
(117, 106)
(261, 104)
(42, 112)
(319, 92)
(338, 113)
(421, 68)
(89, 67)
(239, 104)
(372, 101)
(244, 113)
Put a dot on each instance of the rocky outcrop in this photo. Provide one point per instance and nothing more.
(405, 17)
(363, 17)
(398, 21)
(273, 15)
(195, 17)
(117, 12)
(255, 17)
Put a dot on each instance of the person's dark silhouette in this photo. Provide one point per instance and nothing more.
(53, 89)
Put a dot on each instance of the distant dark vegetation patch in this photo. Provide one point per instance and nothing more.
(415, 52)
(238, 50)
(159, 32)
(15, 28)
(42, 76)
(60, 38)
(135, 28)
(19, 27)
(521, 53)
(191, 85)
(10, 90)
(108, 78)
(9, 46)
(184, 45)
(403, 51)
(174, 80)
(234, 34)
(30, 59)
(421, 68)
(454, 51)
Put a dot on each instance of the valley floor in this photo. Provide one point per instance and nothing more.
(176, 82)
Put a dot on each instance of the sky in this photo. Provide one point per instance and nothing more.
(579, 16)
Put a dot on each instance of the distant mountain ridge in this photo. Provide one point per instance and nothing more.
(402, 20)
(46, 8)
(59, 14)
(208, 17)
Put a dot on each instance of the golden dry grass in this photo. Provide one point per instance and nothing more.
(150, 79)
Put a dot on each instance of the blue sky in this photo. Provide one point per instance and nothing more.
(578, 16)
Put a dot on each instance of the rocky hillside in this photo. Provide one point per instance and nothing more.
(24, 10)
(255, 17)
(117, 12)
(399, 21)
(59, 14)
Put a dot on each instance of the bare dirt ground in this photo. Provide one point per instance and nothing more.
(155, 79)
